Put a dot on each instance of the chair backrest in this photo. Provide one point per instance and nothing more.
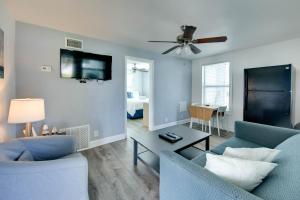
(201, 113)
(221, 111)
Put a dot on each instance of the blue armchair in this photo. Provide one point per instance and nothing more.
(51, 169)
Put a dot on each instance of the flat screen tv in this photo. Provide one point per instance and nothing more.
(84, 66)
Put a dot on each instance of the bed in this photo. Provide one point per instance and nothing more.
(135, 106)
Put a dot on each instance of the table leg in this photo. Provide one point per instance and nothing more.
(207, 144)
(135, 152)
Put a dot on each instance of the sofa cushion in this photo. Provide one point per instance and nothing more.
(284, 181)
(234, 143)
(11, 151)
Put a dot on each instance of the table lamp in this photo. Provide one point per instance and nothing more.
(26, 111)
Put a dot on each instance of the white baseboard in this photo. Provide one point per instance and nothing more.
(170, 124)
(115, 138)
(107, 140)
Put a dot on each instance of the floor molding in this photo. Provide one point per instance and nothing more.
(157, 127)
(107, 140)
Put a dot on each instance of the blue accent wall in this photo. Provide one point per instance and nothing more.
(7, 83)
(69, 103)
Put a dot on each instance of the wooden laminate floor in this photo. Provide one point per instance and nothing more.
(112, 175)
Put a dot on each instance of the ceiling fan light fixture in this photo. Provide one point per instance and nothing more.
(187, 50)
(178, 50)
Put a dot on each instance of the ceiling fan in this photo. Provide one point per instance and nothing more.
(185, 41)
(134, 69)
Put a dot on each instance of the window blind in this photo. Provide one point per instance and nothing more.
(216, 84)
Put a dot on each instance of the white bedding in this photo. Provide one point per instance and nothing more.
(135, 104)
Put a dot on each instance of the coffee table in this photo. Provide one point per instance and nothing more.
(154, 145)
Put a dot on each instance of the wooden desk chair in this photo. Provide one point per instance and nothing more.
(202, 114)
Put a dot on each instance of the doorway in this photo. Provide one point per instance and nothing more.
(139, 76)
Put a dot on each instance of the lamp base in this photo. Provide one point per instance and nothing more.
(28, 129)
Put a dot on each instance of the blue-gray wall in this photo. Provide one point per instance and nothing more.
(69, 103)
(7, 85)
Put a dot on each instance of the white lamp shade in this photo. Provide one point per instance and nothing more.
(26, 110)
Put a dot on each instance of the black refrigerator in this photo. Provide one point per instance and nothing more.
(268, 95)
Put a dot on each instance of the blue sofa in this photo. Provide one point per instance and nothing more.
(42, 168)
(181, 179)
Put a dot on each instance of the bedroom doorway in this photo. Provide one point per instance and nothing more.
(138, 95)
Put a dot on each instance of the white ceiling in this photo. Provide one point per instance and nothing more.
(247, 23)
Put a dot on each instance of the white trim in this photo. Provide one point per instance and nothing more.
(151, 98)
(161, 126)
(107, 140)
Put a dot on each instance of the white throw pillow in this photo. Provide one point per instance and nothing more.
(257, 154)
(246, 174)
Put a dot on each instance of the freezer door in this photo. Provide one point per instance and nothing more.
(272, 108)
(277, 78)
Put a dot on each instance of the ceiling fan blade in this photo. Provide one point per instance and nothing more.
(163, 41)
(210, 40)
(194, 49)
(171, 49)
(188, 31)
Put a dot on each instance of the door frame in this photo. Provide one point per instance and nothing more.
(151, 90)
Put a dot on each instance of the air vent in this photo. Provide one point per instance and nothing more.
(82, 136)
(73, 43)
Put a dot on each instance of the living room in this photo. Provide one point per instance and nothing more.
(200, 57)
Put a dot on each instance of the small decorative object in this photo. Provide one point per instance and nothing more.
(54, 131)
(1, 53)
(45, 130)
(61, 131)
(26, 111)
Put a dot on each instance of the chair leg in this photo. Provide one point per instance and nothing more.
(218, 125)
(202, 125)
(209, 126)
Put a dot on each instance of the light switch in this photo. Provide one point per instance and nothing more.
(46, 68)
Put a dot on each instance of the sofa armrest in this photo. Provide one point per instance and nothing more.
(181, 179)
(61, 179)
(264, 135)
(49, 147)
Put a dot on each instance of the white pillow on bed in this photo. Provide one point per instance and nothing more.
(246, 174)
(135, 94)
(256, 154)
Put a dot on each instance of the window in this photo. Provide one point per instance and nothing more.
(216, 84)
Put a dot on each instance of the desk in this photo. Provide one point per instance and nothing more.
(204, 113)
(214, 108)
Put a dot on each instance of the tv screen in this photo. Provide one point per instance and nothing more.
(81, 65)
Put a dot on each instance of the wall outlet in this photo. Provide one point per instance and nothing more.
(96, 133)
(46, 68)
(166, 119)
